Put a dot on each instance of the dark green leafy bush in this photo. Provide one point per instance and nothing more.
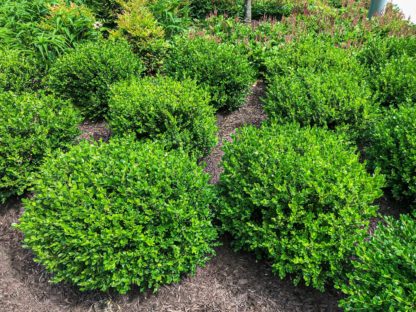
(220, 67)
(202, 8)
(110, 216)
(336, 99)
(316, 54)
(384, 275)
(85, 74)
(105, 10)
(298, 197)
(161, 108)
(393, 149)
(17, 72)
(396, 82)
(30, 127)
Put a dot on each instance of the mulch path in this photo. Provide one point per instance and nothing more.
(230, 282)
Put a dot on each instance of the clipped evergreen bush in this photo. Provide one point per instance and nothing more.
(384, 274)
(393, 149)
(17, 72)
(396, 82)
(110, 216)
(317, 54)
(85, 74)
(162, 108)
(220, 67)
(298, 197)
(337, 99)
(30, 127)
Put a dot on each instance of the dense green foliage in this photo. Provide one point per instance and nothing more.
(109, 216)
(46, 28)
(173, 15)
(316, 83)
(140, 28)
(30, 127)
(161, 108)
(384, 275)
(202, 8)
(85, 74)
(17, 72)
(396, 82)
(106, 10)
(220, 67)
(298, 197)
(393, 149)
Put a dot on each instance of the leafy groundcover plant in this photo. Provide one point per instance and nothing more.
(30, 127)
(393, 149)
(220, 67)
(85, 74)
(384, 274)
(110, 216)
(162, 108)
(298, 197)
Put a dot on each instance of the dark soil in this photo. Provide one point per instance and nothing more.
(230, 282)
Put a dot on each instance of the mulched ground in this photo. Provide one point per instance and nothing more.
(231, 282)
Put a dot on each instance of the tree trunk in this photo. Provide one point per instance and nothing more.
(247, 11)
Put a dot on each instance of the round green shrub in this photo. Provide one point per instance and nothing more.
(110, 216)
(393, 149)
(396, 82)
(203, 8)
(334, 99)
(162, 108)
(220, 67)
(384, 272)
(17, 72)
(85, 74)
(298, 197)
(30, 127)
(317, 54)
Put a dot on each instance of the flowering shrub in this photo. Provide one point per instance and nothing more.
(161, 108)
(110, 216)
(298, 197)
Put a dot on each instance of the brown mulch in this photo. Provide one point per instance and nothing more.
(230, 282)
(94, 131)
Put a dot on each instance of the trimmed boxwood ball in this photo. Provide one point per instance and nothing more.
(85, 74)
(393, 149)
(110, 216)
(317, 54)
(162, 108)
(30, 127)
(384, 274)
(334, 99)
(396, 82)
(298, 197)
(17, 72)
(220, 67)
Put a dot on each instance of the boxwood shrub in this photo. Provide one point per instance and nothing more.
(384, 272)
(318, 54)
(162, 108)
(30, 127)
(221, 67)
(393, 149)
(85, 74)
(17, 72)
(396, 82)
(298, 197)
(337, 99)
(109, 216)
